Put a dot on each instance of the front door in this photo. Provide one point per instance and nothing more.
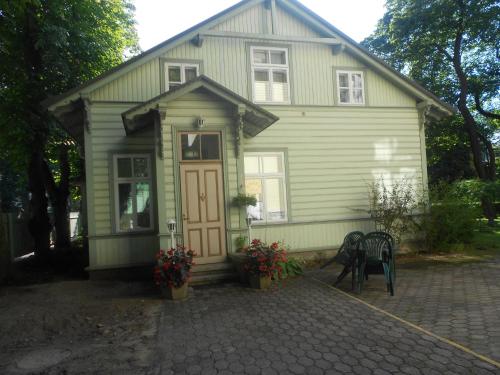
(203, 220)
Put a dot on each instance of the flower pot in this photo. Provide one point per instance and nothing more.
(175, 294)
(259, 282)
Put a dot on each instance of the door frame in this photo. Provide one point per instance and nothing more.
(176, 131)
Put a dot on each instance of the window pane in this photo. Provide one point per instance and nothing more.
(190, 144)
(124, 166)
(210, 147)
(343, 80)
(271, 164)
(279, 76)
(275, 199)
(143, 204)
(251, 164)
(344, 95)
(260, 57)
(356, 80)
(174, 74)
(254, 187)
(278, 57)
(190, 73)
(261, 76)
(357, 96)
(126, 210)
(140, 167)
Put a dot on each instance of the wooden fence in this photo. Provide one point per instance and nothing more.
(15, 240)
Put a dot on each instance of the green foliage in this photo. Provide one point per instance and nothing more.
(290, 268)
(48, 47)
(243, 200)
(392, 206)
(473, 191)
(241, 242)
(449, 219)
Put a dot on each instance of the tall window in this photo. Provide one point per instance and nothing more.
(133, 193)
(265, 179)
(350, 87)
(270, 78)
(179, 73)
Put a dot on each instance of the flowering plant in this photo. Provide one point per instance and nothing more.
(173, 266)
(264, 260)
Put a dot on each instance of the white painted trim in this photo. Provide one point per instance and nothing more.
(182, 67)
(350, 87)
(131, 180)
(263, 176)
(270, 68)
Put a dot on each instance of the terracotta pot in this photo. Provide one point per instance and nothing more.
(259, 282)
(175, 294)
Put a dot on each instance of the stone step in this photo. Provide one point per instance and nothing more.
(213, 277)
(211, 267)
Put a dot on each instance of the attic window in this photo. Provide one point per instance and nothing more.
(350, 88)
(178, 73)
(270, 78)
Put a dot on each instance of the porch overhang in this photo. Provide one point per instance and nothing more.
(255, 118)
(73, 118)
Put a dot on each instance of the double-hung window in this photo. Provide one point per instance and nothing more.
(270, 76)
(133, 192)
(179, 73)
(265, 179)
(350, 87)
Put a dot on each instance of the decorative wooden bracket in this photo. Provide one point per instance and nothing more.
(424, 109)
(238, 130)
(161, 115)
(87, 115)
(197, 40)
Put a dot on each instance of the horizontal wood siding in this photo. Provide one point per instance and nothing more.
(107, 136)
(122, 251)
(333, 154)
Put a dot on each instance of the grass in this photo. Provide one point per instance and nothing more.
(484, 245)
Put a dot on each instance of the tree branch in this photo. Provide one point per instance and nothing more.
(481, 109)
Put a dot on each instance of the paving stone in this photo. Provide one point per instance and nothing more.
(308, 328)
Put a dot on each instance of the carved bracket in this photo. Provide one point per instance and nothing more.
(161, 115)
(86, 115)
(238, 130)
(424, 109)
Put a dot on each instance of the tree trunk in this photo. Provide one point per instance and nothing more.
(39, 223)
(485, 171)
(59, 194)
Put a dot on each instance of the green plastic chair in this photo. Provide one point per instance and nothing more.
(375, 257)
(346, 256)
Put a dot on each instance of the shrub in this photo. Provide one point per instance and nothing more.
(290, 267)
(392, 207)
(449, 218)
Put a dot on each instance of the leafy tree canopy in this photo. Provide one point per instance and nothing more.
(47, 47)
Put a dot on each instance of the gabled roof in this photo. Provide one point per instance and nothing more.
(293, 6)
(255, 117)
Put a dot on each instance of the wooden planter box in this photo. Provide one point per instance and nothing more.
(175, 294)
(260, 282)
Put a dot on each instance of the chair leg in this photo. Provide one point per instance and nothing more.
(343, 274)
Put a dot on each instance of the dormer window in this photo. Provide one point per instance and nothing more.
(270, 78)
(350, 88)
(179, 73)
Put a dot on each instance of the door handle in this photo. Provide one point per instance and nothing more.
(202, 197)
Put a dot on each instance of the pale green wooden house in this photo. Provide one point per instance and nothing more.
(265, 98)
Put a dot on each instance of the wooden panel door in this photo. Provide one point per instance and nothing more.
(203, 220)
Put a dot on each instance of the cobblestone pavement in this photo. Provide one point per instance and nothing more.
(304, 327)
(459, 302)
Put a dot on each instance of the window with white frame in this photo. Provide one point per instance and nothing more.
(265, 179)
(179, 73)
(133, 192)
(270, 78)
(350, 87)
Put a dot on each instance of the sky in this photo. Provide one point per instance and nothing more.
(158, 20)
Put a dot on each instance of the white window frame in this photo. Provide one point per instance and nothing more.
(262, 176)
(132, 180)
(269, 67)
(182, 67)
(351, 88)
